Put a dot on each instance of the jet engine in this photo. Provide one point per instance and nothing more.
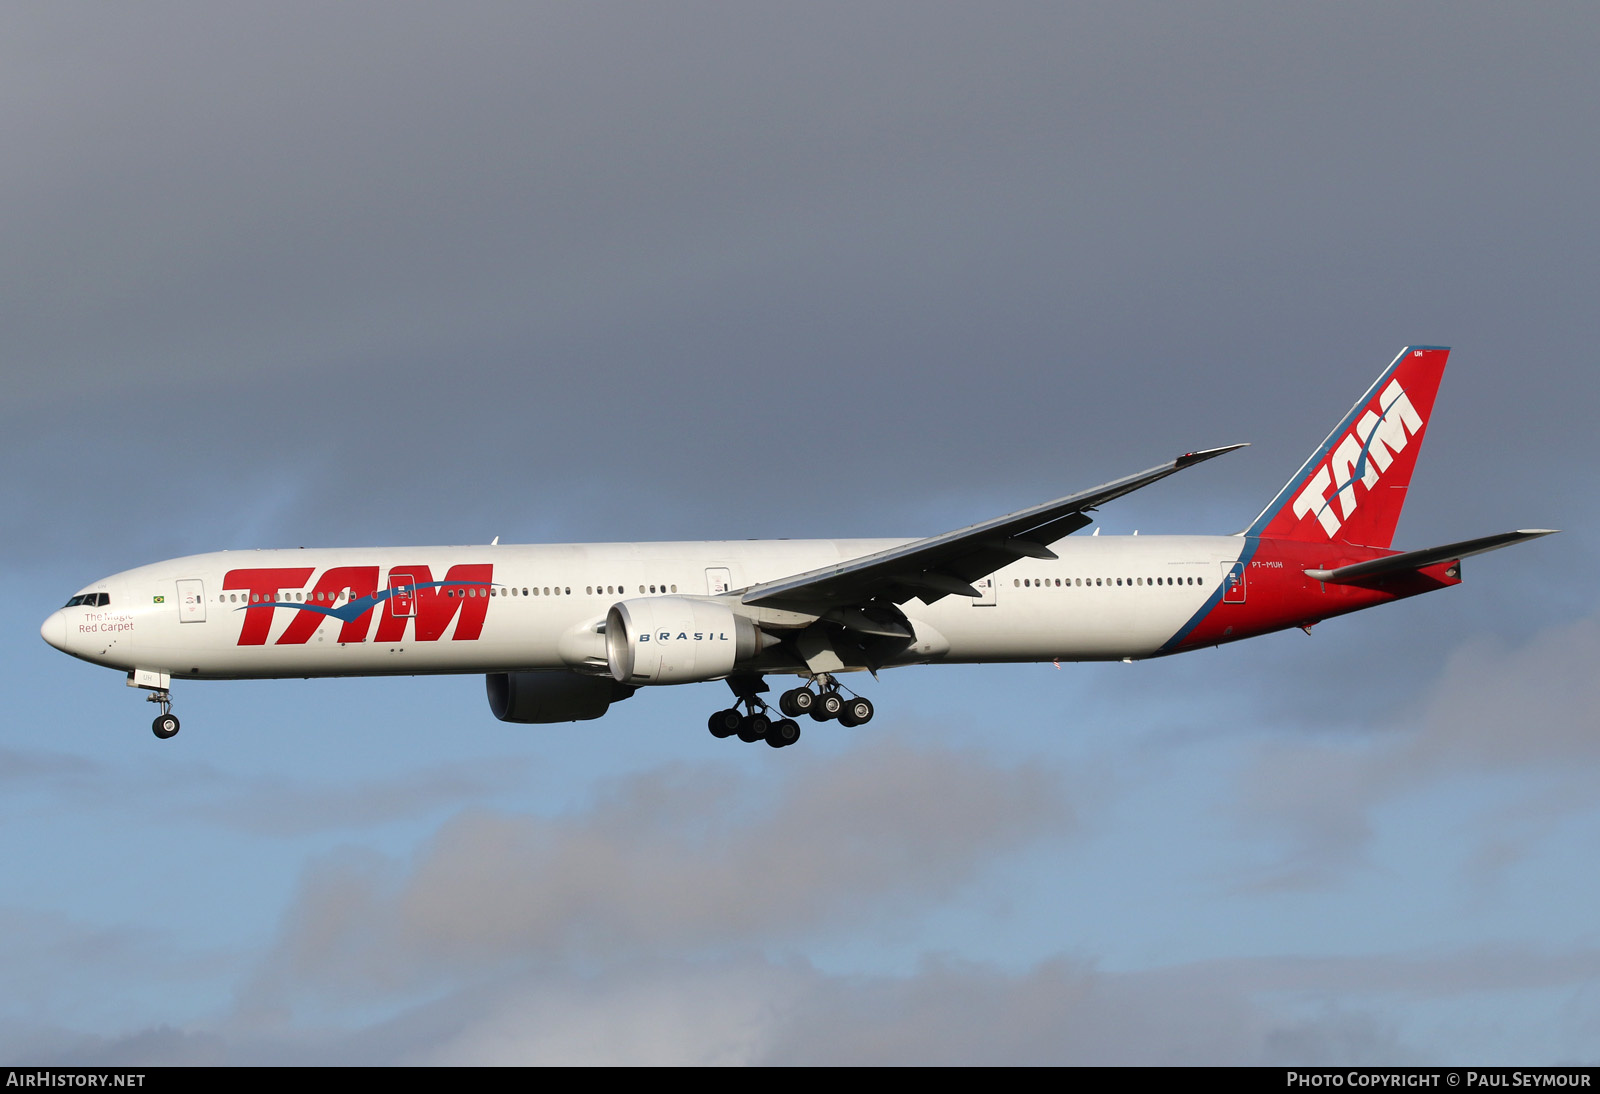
(677, 640)
(554, 696)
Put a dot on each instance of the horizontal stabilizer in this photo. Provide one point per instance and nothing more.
(1410, 561)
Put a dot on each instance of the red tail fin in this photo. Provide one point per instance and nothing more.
(1353, 487)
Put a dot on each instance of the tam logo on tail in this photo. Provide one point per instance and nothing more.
(1373, 448)
(1362, 456)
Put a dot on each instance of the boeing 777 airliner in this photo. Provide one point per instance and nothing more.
(563, 631)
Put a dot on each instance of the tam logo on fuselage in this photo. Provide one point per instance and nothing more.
(350, 593)
(1364, 453)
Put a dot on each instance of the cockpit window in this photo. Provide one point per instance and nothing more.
(89, 600)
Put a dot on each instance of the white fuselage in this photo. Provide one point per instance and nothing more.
(537, 607)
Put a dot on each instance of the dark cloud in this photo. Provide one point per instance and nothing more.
(381, 275)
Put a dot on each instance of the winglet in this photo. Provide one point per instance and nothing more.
(1189, 459)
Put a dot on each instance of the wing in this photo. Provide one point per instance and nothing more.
(930, 569)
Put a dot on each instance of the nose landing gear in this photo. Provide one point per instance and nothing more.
(166, 724)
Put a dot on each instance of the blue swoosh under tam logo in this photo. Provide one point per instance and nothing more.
(1359, 471)
(359, 607)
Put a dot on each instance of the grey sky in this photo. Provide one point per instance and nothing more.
(390, 273)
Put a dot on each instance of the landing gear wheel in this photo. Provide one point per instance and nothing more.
(797, 702)
(829, 705)
(753, 728)
(725, 723)
(856, 712)
(165, 726)
(783, 733)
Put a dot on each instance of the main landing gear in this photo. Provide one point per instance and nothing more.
(755, 722)
(166, 724)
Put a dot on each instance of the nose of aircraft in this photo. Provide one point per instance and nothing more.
(54, 630)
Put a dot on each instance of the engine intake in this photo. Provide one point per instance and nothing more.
(542, 697)
(677, 640)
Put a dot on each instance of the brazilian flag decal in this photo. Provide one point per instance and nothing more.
(160, 600)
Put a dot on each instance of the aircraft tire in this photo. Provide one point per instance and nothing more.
(725, 723)
(783, 733)
(859, 711)
(830, 703)
(165, 726)
(753, 728)
(797, 702)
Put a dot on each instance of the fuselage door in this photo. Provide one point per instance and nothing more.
(402, 595)
(1233, 583)
(988, 586)
(191, 600)
(718, 580)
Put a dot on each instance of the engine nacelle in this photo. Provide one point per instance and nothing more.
(551, 696)
(677, 640)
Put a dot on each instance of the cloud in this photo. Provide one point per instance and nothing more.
(276, 806)
(1532, 710)
(748, 1009)
(661, 923)
(267, 805)
(60, 971)
(678, 857)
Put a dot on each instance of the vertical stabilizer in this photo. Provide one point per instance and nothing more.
(1352, 488)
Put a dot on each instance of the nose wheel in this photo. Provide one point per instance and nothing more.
(166, 724)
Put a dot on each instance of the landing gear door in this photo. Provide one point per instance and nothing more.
(402, 596)
(191, 600)
(718, 580)
(988, 586)
(1233, 583)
